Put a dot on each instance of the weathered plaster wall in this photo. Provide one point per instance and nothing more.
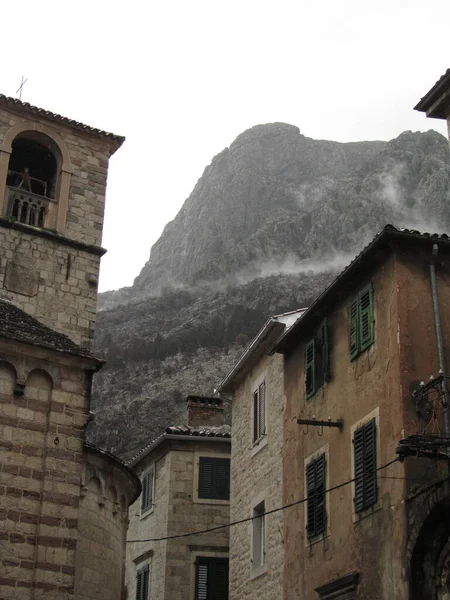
(257, 473)
(375, 544)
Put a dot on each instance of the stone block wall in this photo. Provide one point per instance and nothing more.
(89, 155)
(53, 282)
(172, 571)
(41, 438)
(256, 473)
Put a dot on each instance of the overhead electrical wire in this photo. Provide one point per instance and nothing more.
(247, 519)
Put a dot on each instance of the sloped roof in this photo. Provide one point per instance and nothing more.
(41, 112)
(436, 101)
(259, 345)
(369, 253)
(222, 432)
(15, 324)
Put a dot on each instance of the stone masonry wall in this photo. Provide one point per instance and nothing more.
(55, 283)
(89, 156)
(257, 472)
(103, 520)
(41, 438)
(172, 562)
(151, 524)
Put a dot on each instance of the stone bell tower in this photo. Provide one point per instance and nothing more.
(52, 193)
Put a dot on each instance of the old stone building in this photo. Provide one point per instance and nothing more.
(256, 386)
(351, 367)
(63, 503)
(185, 488)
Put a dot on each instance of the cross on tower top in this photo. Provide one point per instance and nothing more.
(19, 89)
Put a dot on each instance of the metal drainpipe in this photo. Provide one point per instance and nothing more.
(438, 328)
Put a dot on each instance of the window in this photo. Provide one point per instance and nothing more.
(211, 578)
(259, 535)
(147, 492)
(214, 478)
(259, 413)
(142, 583)
(316, 506)
(365, 459)
(317, 360)
(360, 321)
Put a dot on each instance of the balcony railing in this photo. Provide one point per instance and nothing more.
(27, 207)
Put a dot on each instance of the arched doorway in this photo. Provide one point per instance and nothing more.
(430, 560)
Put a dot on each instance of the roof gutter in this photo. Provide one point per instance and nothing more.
(171, 436)
(264, 332)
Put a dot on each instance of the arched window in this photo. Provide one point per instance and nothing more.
(35, 173)
(32, 177)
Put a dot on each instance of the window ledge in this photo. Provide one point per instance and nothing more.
(259, 445)
(216, 501)
(258, 572)
(316, 539)
(146, 513)
(359, 516)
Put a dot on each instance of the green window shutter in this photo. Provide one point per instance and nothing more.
(255, 415)
(353, 329)
(316, 503)
(370, 463)
(310, 368)
(358, 453)
(365, 306)
(311, 503)
(205, 477)
(320, 516)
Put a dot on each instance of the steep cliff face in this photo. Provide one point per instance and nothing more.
(269, 223)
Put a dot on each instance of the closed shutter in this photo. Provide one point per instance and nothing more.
(311, 487)
(325, 351)
(316, 505)
(310, 369)
(366, 317)
(205, 477)
(262, 409)
(211, 580)
(256, 415)
(147, 491)
(142, 582)
(201, 592)
(365, 458)
(320, 508)
(221, 478)
(214, 478)
(370, 463)
(358, 451)
(353, 328)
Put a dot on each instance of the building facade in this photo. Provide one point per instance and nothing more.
(63, 504)
(185, 488)
(353, 366)
(256, 386)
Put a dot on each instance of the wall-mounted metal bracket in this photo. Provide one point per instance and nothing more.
(339, 423)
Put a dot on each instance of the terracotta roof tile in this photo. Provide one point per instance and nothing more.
(15, 324)
(27, 107)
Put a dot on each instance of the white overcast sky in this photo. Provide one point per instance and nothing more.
(182, 78)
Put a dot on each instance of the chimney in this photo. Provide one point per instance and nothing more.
(202, 410)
